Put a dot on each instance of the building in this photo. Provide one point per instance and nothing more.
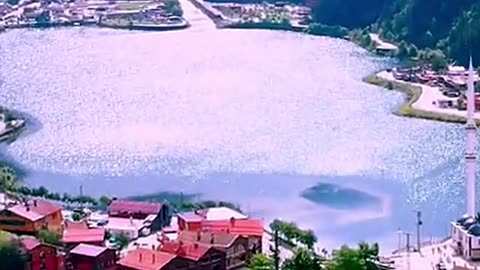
(249, 228)
(130, 227)
(235, 246)
(466, 237)
(75, 233)
(141, 210)
(192, 220)
(199, 256)
(90, 257)
(465, 232)
(143, 259)
(40, 256)
(31, 216)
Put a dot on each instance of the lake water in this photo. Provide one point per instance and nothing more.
(255, 117)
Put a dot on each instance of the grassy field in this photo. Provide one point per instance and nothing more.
(131, 6)
(412, 93)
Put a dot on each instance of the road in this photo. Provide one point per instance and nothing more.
(195, 17)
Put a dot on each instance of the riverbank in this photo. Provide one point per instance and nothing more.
(419, 101)
(146, 27)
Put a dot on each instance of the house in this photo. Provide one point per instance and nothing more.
(90, 257)
(249, 228)
(31, 216)
(235, 246)
(40, 256)
(75, 233)
(130, 227)
(192, 220)
(147, 259)
(141, 210)
(200, 256)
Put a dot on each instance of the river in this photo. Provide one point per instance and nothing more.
(256, 117)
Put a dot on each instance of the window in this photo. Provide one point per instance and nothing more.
(12, 222)
(42, 255)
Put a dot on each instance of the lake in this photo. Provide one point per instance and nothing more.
(278, 122)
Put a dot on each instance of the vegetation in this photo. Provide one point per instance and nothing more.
(121, 241)
(290, 233)
(11, 256)
(327, 30)
(261, 262)
(12, 2)
(449, 26)
(49, 237)
(173, 7)
(304, 259)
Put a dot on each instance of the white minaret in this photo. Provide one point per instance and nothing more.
(470, 154)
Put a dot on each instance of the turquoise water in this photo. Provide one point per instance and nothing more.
(255, 117)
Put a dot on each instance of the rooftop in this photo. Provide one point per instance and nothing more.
(192, 251)
(83, 235)
(248, 227)
(88, 250)
(222, 239)
(118, 206)
(213, 214)
(146, 259)
(34, 210)
(124, 223)
(30, 243)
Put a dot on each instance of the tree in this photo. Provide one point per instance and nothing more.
(260, 262)
(304, 259)
(76, 216)
(8, 179)
(49, 237)
(176, 11)
(403, 50)
(369, 254)
(121, 240)
(44, 17)
(13, 2)
(362, 258)
(308, 238)
(346, 258)
(104, 201)
(11, 256)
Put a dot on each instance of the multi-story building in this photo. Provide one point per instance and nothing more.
(31, 216)
(200, 256)
(191, 221)
(235, 246)
(75, 233)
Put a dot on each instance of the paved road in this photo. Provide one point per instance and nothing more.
(195, 17)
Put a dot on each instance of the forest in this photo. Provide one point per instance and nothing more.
(451, 27)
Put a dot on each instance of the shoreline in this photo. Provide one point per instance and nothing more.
(418, 100)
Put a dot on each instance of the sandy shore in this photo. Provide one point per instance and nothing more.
(427, 97)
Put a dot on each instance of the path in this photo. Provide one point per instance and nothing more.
(195, 17)
(382, 45)
(428, 96)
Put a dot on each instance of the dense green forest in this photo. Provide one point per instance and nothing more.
(451, 27)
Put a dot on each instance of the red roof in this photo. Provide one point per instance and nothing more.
(192, 251)
(146, 259)
(134, 207)
(247, 227)
(83, 235)
(30, 243)
(34, 210)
